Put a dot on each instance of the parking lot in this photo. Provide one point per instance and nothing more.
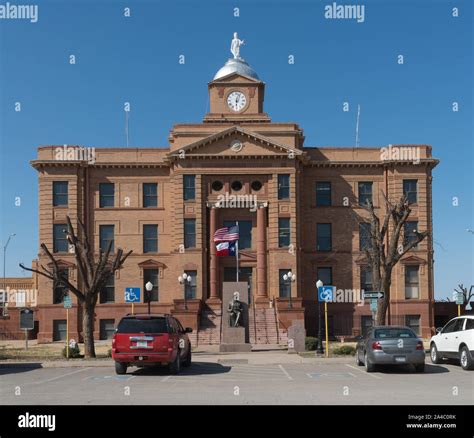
(237, 382)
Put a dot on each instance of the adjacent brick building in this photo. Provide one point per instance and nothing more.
(161, 202)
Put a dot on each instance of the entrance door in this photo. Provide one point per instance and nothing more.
(245, 274)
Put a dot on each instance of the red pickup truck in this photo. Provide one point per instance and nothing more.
(146, 340)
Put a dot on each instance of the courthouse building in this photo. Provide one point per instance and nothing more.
(298, 209)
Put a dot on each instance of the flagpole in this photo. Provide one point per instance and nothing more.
(237, 253)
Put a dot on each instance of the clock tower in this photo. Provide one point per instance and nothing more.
(236, 93)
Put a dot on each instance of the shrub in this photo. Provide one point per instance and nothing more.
(74, 352)
(311, 343)
(344, 350)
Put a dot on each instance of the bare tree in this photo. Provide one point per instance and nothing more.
(385, 247)
(468, 295)
(93, 275)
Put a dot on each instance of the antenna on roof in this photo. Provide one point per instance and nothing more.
(357, 126)
(126, 125)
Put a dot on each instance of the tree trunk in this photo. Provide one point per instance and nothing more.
(382, 303)
(88, 327)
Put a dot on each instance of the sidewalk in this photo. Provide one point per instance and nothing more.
(269, 357)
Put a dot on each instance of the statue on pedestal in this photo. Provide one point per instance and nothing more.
(235, 310)
(235, 46)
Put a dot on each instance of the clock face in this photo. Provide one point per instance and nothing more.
(236, 101)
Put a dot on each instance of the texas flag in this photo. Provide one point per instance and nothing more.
(225, 249)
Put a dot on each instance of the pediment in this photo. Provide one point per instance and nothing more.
(235, 78)
(413, 260)
(220, 144)
(150, 263)
(62, 264)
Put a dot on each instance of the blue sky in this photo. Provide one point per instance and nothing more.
(135, 59)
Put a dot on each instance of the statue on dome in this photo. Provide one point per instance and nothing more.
(235, 46)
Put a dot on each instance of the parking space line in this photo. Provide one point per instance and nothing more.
(364, 372)
(62, 375)
(285, 372)
(164, 379)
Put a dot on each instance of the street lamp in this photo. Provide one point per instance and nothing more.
(290, 278)
(149, 288)
(319, 348)
(185, 279)
(4, 272)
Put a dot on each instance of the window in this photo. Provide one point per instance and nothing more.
(411, 282)
(107, 329)
(107, 294)
(284, 285)
(469, 324)
(323, 194)
(60, 193)
(190, 288)
(236, 186)
(217, 186)
(283, 186)
(106, 235)
(245, 233)
(189, 187)
(59, 330)
(413, 321)
(325, 275)
(366, 279)
(284, 232)
(59, 238)
(410, 190)
(59, 290)
(150, 238)
(323, 237)
(150, 195)
(365, 192)
(151, 275)
(364, 236)
(190, 233)
(256, 186)
(106, 195)
(455, 325)
(410, 230)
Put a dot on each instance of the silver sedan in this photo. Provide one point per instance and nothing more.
(390, 345)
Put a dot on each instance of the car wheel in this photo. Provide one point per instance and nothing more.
(369, 366)
(175, 366)
(435, 356)
(420, 367)
(187, 361)
(465, 359)
(358, 361)
(120, 368)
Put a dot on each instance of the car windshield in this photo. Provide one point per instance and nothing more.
(134, 325)
(394, 333)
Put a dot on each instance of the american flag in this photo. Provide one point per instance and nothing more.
(227, 234)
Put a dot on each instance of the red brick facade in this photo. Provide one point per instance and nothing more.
(208, 151)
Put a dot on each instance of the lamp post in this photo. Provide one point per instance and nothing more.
(4, 272)
(319, 348)
(290, 278)
(185, 279)
(149, 288)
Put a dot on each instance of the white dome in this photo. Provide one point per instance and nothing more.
(238, 66)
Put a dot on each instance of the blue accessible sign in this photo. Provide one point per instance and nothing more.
(326, 293)
(132, 294)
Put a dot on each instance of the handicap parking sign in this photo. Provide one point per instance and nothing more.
(326, 293)
(132, 294)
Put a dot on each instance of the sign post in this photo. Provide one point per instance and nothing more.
(27, 323)
(132, 295)
(373, 296)
(67, 305)
(459, 301)
(326, 294)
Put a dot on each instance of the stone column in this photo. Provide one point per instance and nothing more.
(212, 254)
(262, 294)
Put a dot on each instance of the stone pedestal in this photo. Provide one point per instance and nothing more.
(235, 339)
(296, 337)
